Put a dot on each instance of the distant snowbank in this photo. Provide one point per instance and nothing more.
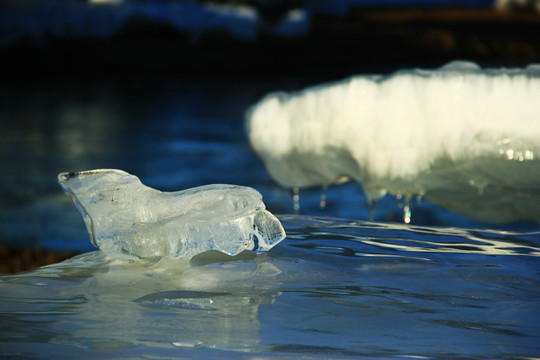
(462, 137)
(245, 20)
(102, 19)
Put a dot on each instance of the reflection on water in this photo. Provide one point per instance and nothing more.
(170, 137)
(333, 287)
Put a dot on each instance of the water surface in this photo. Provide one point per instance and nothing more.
(334, 288)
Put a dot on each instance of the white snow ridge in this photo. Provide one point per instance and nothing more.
(463, 137)
(125, 218)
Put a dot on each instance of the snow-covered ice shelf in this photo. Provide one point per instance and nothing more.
(463, 137)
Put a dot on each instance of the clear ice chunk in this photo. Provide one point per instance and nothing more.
(123, 216)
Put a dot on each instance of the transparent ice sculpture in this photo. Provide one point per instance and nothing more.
(123, 216)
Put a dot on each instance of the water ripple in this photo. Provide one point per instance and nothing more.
(359, 238)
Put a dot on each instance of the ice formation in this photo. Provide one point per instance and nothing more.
(123, 216)
(463, 137)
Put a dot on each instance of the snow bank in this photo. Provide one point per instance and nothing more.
(463, 137)
(103, 19)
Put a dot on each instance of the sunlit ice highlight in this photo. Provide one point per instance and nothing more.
(460, 136)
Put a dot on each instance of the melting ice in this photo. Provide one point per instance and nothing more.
(463, 137)
(126, 218)
(335, 289)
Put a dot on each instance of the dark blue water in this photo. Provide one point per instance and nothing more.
(334, 288)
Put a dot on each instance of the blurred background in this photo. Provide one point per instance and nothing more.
(160, 88)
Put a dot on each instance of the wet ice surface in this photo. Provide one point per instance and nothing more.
(335, 288)
(126, 218)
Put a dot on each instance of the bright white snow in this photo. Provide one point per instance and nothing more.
(463, 137)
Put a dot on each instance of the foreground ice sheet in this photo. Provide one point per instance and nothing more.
(123, 216)
(462, 137)
(336, 289)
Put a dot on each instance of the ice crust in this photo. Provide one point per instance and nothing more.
(464, 137)
(126, 218)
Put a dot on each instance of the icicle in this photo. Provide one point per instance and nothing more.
(322, 202)
(399, 200)
(407, 210)
(373, 194)
(295, 192)
(372, 203)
